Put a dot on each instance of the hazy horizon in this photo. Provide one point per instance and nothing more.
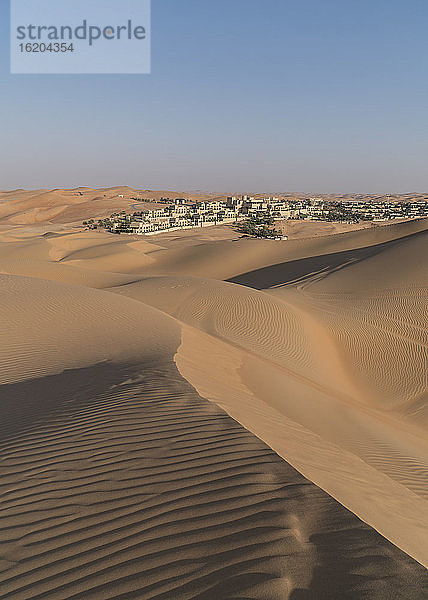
(233, 192)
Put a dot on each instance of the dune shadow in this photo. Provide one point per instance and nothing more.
(26, 403)
(294, 271)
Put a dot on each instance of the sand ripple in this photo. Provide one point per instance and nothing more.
(140, 489)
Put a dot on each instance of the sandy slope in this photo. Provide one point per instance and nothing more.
(392, 312)
(120, 481)
(289, 361)
(228, 259)
(51, 326)
(92, 259)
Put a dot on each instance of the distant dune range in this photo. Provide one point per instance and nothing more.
(63, 206)
(207, 417)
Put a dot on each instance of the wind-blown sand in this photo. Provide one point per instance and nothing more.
(124, 477)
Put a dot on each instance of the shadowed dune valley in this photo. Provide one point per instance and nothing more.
(201, 415)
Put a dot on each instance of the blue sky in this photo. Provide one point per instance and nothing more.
(244, 95)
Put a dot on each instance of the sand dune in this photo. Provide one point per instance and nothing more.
(228, 259)
(185, 504)
(75, 275)
(52, 326)
(152, 414)
(138, 488)
(74, 205)
(287, 355)
(92, 259)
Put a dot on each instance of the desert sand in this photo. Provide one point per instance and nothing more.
(199, 416)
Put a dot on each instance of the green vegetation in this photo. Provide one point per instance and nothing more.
(261, 227)
(90, 224)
